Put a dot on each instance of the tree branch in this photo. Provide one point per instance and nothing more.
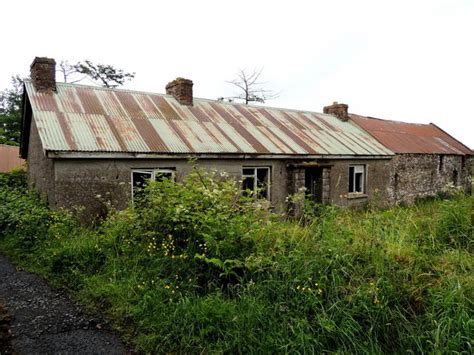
(248, 84)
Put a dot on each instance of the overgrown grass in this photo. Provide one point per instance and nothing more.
(194, 267)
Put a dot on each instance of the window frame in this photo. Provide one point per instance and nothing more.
(255, 177)
(358, 169)
(153, 173)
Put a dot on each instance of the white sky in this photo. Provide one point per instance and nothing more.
(404, 60)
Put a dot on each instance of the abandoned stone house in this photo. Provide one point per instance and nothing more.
(82, 141)
(427, 158)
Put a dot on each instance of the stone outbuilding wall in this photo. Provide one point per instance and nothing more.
(414, 176)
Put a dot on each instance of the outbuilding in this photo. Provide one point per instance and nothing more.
(428, 160)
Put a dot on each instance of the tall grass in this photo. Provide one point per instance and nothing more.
(195, 267)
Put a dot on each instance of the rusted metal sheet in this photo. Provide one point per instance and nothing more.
(402, 137)
(93, 119)
(9, 158)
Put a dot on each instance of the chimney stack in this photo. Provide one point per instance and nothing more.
(182, 90)
(338, 110)
(43, 74)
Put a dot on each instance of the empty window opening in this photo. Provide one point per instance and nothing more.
(455, 177)
(441, 163)
(256, 181)
(357, 178)
(140, 178)
(395, 182)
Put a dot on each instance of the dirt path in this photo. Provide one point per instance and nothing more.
(45, 321)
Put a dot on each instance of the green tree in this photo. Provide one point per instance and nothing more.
(105, 74)
(10, 112)
(11, 98)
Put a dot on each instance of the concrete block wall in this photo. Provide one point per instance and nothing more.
(79, 182)
(376, 182)
(93, 182)
(40, 168)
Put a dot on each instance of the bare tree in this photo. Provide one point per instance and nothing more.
(250, 88)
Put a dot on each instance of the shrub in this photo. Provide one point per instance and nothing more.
(16, 179)
(22, 215)
(25, 217)
(203, 225)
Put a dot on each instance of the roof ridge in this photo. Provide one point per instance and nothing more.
(388, 120)
(195, 97)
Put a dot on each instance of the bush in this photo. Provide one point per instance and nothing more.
(14, 180)
(202, 226)
(23, 215)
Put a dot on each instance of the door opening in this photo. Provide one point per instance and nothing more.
(314, 184)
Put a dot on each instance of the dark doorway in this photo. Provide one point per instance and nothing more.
(314, 184)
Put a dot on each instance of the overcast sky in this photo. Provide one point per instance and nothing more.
(403, 60)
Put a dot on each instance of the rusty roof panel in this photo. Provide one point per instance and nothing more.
(50, 131)
(67, 100)
(403, 137)
(94, 119)
(227, 144)
(172, 141)
(242, 144)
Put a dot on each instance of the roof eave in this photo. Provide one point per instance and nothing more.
(244, 156)
(461, 143)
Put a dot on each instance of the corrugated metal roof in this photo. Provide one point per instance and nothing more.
(93, 119)
(403, 137)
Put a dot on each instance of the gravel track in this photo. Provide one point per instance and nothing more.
(45, 321)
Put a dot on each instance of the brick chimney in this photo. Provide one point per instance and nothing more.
(43, 74)
(338, 110)
(182, 90)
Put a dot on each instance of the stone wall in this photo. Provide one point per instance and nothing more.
(414, 176)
